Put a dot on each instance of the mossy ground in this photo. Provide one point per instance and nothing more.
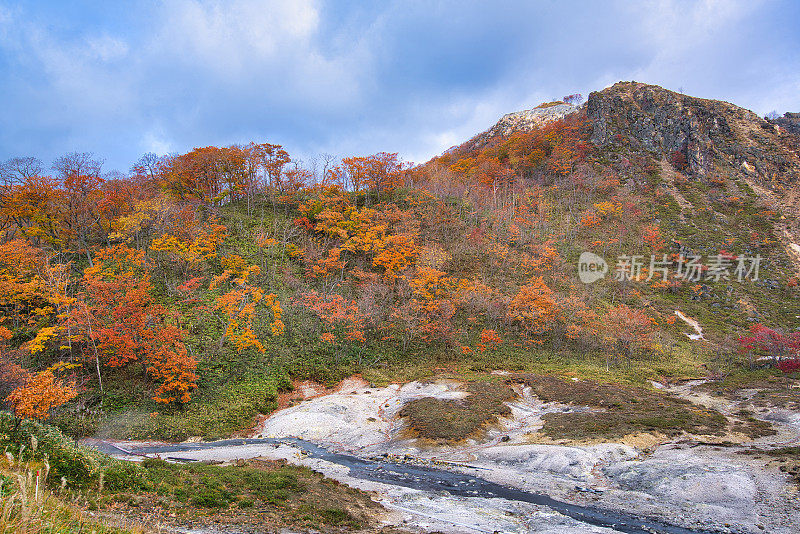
(615, 410)
(247, 494)
(454, 420)
(618, 410)
(762, 387)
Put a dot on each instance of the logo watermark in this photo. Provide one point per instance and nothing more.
(640, 268)
(591, 267)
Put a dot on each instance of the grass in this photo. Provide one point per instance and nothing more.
(454, 420)
(775, 388)
(684, 361)
(218, 413)
(255, 493)
(28, 509)
(619, 410)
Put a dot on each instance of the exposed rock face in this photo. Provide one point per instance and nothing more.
(789, 122)
(520, 121)
(529, 119)
(705, 137)
(707, 132)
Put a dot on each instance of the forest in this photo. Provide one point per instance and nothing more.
(179, 298)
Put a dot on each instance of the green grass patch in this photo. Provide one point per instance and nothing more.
(618, 410)
(248, 491)
(454, 420)
(216, 414)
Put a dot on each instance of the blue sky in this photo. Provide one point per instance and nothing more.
(123, 78)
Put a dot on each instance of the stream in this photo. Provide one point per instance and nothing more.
(418, 477)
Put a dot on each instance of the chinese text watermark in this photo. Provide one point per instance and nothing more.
(691, 268)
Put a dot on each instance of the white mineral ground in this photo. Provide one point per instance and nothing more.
(686, 482)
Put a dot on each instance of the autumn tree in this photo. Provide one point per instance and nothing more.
(428, 313)
(627, 331)
(271, 161)
(40, 392)
(186, 245)
(769, 343)
(374, 175)
(80, 180)
(30, 208)
(534, 308)
(33, 291)
(118, 323)
(341, 318)
(241, 303)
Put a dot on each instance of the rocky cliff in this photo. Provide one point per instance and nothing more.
(708, 133)
(790, 122)
(704, 138)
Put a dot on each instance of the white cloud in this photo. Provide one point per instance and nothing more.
(395, 76)
(237, 35)
(106, 48)
(156, 141)
(264, 49)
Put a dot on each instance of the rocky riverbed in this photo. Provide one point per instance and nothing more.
(689, 482)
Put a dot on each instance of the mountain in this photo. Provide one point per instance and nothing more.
(700, 139)
(712, 138)
(581, 254)
(202, 272)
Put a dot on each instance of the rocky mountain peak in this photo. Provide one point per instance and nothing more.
(702, 138)
(529, 119)
(790, 122)
(703, 133)
(520, 121)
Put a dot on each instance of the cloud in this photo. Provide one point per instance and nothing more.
(233, 37)
(355, 78)
(106, 48)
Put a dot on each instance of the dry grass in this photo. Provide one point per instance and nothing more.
(28, 507)
(454, 420)
(619, 410)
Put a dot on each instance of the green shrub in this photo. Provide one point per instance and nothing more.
(119, 475)
(80, 466)
(217, 414)
(211, 498)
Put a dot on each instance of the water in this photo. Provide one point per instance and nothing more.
(425, 479)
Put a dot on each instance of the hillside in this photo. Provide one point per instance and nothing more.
(189, 297)
(227, 271)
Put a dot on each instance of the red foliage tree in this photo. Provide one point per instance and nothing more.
(782, 349)
(119, 323)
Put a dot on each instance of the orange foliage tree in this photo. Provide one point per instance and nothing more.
(119, 323)
(627, 331)
(490, 340)
(40, 392)
(534, 308)
(435, 297)
(241, 303)
(342, 318)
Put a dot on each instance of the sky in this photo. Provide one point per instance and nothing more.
(123, 78)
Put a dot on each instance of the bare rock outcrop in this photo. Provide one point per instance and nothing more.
(519, 121)
(703, 137)
(708, 133)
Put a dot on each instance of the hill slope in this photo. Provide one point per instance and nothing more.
(185, 297)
